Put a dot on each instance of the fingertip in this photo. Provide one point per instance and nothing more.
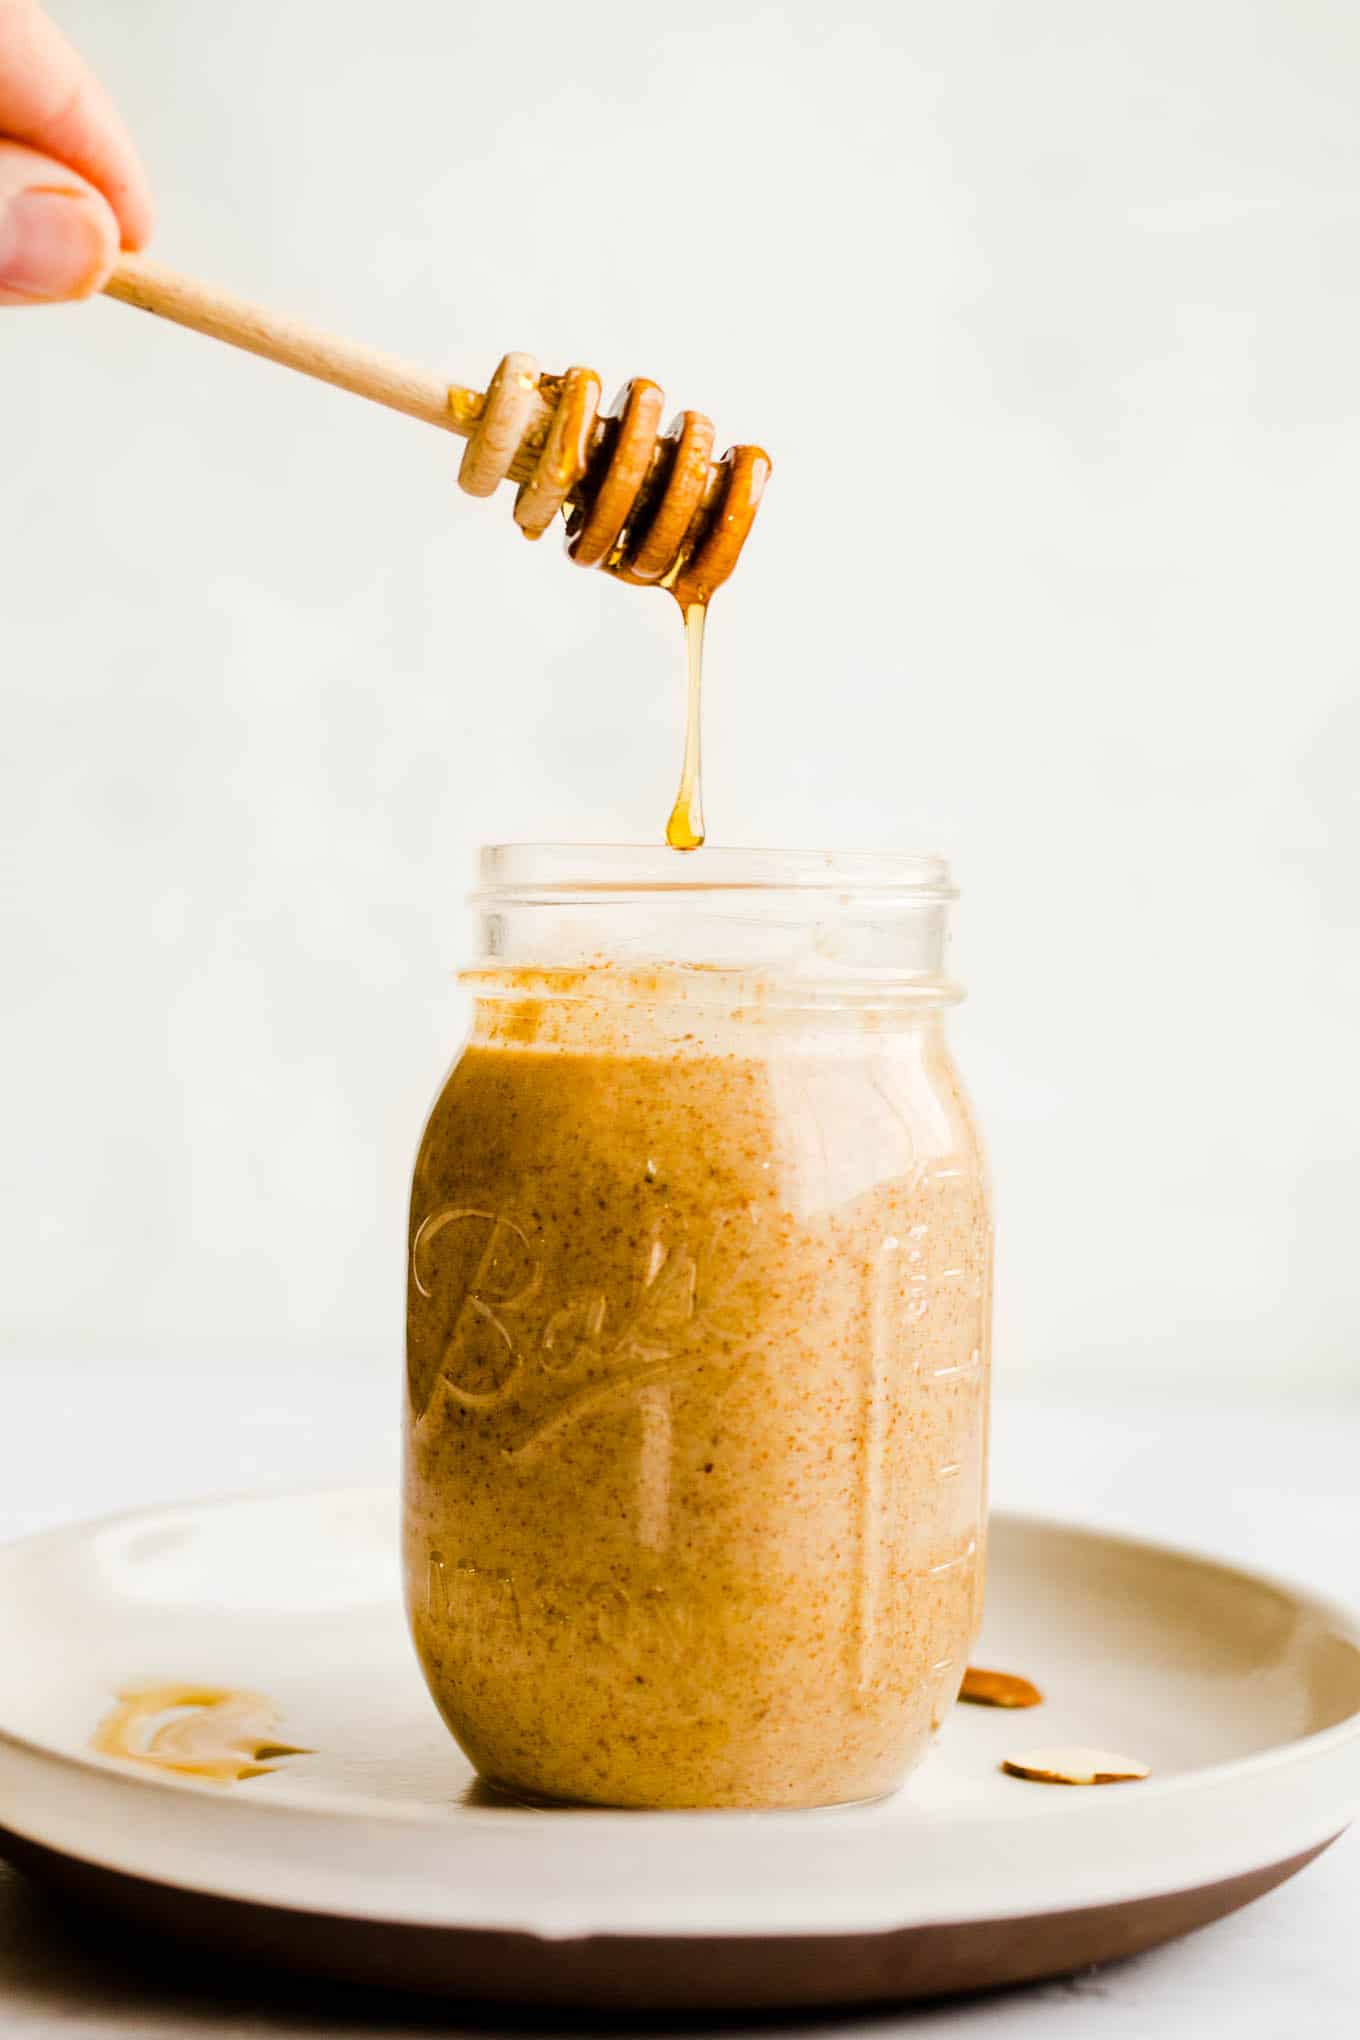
(58, 242)
(137, 229)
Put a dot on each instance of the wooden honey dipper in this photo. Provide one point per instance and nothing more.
(651, 507)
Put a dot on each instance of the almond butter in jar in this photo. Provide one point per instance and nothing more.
(699, 1298)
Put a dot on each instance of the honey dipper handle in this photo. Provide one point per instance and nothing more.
(151, 287)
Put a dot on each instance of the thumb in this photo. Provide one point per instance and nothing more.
(58, 235)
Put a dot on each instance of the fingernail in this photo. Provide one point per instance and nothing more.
(51, 245)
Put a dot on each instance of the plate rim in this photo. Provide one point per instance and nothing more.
(1335, 1614)
(1297, 1749)
(1128, 1831)
(890, 1954)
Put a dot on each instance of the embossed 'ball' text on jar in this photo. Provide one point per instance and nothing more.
(699, 1296)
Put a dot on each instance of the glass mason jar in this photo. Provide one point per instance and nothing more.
(699, 1297)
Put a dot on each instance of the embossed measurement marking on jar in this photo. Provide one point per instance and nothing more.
(882, 1342)
(958, 1371)
(950, 1565)
(901, 1296)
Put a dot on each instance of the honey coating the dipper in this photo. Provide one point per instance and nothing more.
(650, 507)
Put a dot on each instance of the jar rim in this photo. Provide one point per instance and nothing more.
(560, 871)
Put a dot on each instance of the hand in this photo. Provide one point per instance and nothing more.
(71, 188)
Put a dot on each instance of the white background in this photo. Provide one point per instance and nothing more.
(1051, 317)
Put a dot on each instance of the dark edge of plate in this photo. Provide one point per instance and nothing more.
(630, 1973)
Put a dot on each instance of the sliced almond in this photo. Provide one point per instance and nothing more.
(1075, 1766)
(998, 1689)
(220, 1733)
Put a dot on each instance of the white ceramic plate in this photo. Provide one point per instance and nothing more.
(380, 1856)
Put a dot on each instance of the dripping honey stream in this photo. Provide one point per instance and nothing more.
(685, 829)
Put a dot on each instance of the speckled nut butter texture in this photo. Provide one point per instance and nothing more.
(697, 1387)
